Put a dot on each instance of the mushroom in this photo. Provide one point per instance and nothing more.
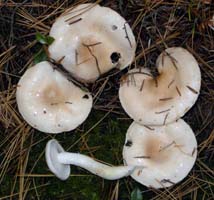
(163, 155)
(163, 99)
(59, 163)
(49, 102)
(90, 40)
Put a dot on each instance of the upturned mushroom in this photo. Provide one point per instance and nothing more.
(163, 155)
(163, 99)
(90, 40)
(59, 163)
(49, 102)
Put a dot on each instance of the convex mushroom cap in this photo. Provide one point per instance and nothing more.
(59, 162)
(161, 100)
(163, 155)
(90, 40)
(49, 102)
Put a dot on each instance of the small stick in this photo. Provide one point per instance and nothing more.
(173, 60)
(79, 14)
(179, 148)
(148, 127)
(76, 57)
(193, 151)
(178, 91)
(67, 102)
(163, 111)
(171, 83)
(191, 89)
(167, 146)
(96, 60)
(144, 157)
(127, 37)
(164, 122)
(75, 21)
(84, 61)
(167, 181)
(166, 99)
(94, 44)
(141, 87)
(60, 60)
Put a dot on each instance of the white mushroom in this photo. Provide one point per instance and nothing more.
(161, 100)
(163, 155)
(91, 40)
(59, 163)
(49, 102)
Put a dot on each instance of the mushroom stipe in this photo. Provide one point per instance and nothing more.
(59, 163)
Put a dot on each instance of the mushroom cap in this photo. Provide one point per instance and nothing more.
(90, 40)
(49, 102)
(160, 101)
(163, 155)
(52, 150)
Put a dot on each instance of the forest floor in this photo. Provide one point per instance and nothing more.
(157, 25)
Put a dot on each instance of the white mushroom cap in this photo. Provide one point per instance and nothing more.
(91, 40)
(49, 102)
(52, 150)
(164, 154)
(162, 100)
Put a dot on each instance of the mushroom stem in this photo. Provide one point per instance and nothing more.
(95, 167)
(59, 162)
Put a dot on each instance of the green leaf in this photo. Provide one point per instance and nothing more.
(40, 56)
(136, 194)
(41, 38)
(50, 40)
(44, 39)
